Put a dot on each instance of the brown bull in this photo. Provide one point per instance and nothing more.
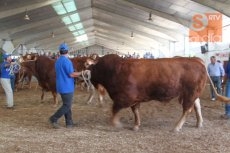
(43, 69)
(45, 74)
(132, 81)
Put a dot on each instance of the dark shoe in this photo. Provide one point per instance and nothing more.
(226, 117)
(54, 124)
(71, 125)
(10, 107)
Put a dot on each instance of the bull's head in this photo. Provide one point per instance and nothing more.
(20, 59)
(28, 57)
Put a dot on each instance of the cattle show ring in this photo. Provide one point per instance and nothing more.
(114, 76)
(26, 128)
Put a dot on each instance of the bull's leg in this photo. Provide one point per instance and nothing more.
(36, 86)
(29, 84)
(101, 99)
(135, 110)
(29, 81)
(181, 121)
(101, 94)
(186, 111)
(197, 108)
(22, 83)
(42, 96)
(55, 99)
(115, 118)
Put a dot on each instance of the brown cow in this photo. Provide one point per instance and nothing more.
(45, 74)
(132, 81)
(43, 69)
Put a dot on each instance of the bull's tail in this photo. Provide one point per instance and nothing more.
(218, 96)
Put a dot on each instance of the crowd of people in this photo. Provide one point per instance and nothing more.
(147, 55)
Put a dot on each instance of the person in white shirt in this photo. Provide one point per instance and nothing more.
(216, 72)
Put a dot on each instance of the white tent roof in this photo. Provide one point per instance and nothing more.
(107, 23)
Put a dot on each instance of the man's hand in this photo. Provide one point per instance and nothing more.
(75, 74)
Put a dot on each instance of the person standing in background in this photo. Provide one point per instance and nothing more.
(6, 80)
(216, 73)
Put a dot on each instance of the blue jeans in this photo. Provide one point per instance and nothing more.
(65, 109)
(217, 83)
(227, 94)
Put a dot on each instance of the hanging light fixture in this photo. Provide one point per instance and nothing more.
(26, 17)
(150, 16)
(132, 35)
(52, 34)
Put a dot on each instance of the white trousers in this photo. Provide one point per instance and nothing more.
(6, 85)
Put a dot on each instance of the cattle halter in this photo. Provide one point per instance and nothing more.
(14, 68)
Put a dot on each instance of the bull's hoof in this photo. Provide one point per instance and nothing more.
(175, 130)
(117, 124)
(136, 128)
(100, 105)
(199, 125)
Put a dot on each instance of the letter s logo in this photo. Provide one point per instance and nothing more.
(199, 22)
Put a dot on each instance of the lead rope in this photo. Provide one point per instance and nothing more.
(14, 68)
(86, 75)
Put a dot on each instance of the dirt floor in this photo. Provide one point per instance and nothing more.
(26, 129)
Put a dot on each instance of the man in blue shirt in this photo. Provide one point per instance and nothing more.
(65, 87)
(216, 72)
